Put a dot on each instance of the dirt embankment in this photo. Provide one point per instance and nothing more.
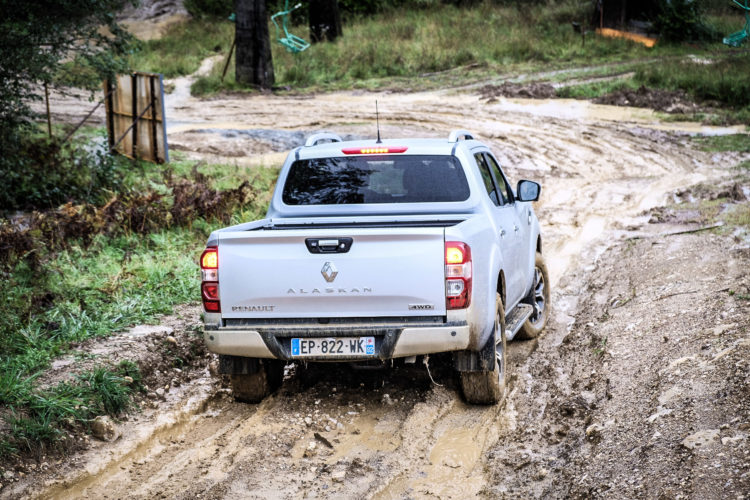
(646, 394)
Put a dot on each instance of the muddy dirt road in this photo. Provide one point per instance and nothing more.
(600, 405)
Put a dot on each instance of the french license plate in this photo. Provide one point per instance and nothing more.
(334, 346)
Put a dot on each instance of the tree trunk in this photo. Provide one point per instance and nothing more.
(325, 20)
(253, 62)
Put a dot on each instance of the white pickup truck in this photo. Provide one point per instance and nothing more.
(373, 251)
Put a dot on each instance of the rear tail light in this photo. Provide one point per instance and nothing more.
(457, 275)
(210, 279)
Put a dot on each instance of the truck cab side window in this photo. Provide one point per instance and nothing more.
(502, 183)
(484, 169)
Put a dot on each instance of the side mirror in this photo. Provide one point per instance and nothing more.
(528, 191)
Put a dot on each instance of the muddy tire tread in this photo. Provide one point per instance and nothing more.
(528, 331)
(485, 387)
(254, 387)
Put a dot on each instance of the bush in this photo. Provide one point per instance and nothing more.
(209, 8)
(723, 81)
(682, 20)
(39, 173)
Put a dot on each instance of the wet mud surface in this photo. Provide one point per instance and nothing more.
(669, 101)
(637, 388)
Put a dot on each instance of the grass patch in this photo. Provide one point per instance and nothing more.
(39, 419)
(497, 39)
(724, 81)
(738, 216)
(92, 288)
(422, 43)
(595, 89)
(108, 279)
(180, 51)
(720, 143)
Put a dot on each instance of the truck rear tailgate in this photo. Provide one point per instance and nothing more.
(386, 272)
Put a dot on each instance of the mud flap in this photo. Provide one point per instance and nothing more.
(473, 361)
(237, 365)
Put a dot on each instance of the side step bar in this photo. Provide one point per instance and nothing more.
(515, 320)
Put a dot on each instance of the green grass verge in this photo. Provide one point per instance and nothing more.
(422, 52)
(38, 419)
(94, 288)
(720, 143)
(183, 47)
(493, 38)
(724, 80)
(595, 89)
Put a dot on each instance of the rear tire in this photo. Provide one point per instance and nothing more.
(538, 297)
(254, 387)
(488, 387)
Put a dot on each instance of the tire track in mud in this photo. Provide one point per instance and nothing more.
(404, 442)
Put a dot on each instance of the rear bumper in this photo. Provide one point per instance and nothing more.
(390, 341)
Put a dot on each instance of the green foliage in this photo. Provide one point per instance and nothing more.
(46, 173)
(37, 37)
(683, 20)
(720, 143)
(95, 288)
(91, 287)
(595, 89)
(494, 38)
(41, 417)
(106, 392)
(724, 80)
(185, 45)
(220, 9)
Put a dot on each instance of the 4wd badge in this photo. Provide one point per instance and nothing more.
(329, 272)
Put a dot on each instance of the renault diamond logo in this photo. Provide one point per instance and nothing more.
(329, 272)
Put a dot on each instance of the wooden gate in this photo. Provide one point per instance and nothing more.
(135, 116)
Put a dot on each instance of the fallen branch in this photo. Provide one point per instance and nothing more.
(323, 440)
(676, 293)
(673, 233)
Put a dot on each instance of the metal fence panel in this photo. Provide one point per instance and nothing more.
(135, 116)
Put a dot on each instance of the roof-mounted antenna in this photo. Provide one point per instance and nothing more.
(377, 119)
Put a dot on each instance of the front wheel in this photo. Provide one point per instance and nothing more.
(488, 387)
(538, 297)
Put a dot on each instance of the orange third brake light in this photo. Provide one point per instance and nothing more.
(374, 151)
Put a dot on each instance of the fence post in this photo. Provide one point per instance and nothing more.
(49, 120)
(134, 97)
(110, 113)
(154, 142)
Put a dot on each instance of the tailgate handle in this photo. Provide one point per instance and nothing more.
(328, 245)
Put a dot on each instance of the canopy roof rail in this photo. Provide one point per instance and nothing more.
(313, 140)
(457, 134)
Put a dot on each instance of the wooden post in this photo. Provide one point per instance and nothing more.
(49, 119)
(110, 113)
(154, 141)
(229, 58)
(134, 97)
(583, 33)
